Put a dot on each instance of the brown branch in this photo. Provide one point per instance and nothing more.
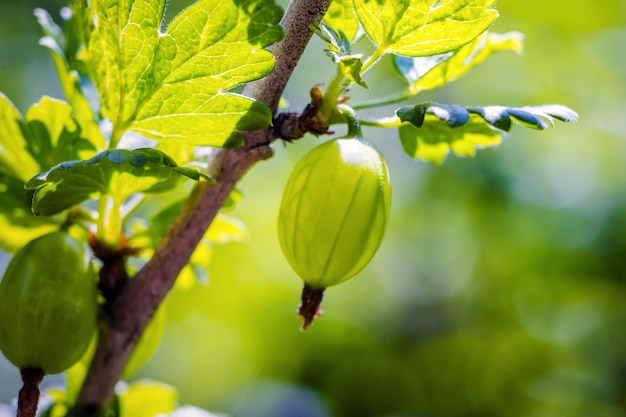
(125, 317)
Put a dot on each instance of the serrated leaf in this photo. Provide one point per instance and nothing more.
(148, 399)
(340, 50)
(47, 135)
(535, 117)
(171, 86)
(17, 223)
(54, 39)
(427, 73)
(424, 27)
(342, 18)
(54, 134)
(115, 173)
(431, 130)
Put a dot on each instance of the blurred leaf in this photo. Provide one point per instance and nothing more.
(55, 41)
(172, 85)
(115, 173)
(424, 27)
(435, 139)
(432, 130)
(47, 136)
(148, 343)
(58, 406)
(342, 18)
(55, 136)
(427, 73)
(223, 229)
(15, 158)
(148, 399)
(341, 53)
(17, 223)
(226, 229)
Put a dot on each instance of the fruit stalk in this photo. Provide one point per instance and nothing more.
(310, 306)
(28, 398)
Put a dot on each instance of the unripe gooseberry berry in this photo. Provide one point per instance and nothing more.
(333, 215)
(48, 304)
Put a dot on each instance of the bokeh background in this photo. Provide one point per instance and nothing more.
(500, 288)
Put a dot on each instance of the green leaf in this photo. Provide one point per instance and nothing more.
(435, 138)
(340, 50)
(54, 39)
(15, 158)
(431, 130)
(148, 399)
(172, 85)
(46, 136)
(342, 18)
(535, 117)
(424, 27)
(116, 173)
(17, 223)
(53, 133)
(427, 73)
(223, 229)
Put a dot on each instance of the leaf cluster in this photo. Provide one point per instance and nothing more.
(430, 43)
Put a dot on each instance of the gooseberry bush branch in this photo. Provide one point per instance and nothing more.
(166, 99)
(136, 304)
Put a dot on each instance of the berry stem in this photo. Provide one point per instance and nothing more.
(28, 397)
(310, 307)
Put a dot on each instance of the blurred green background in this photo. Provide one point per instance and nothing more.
(500, 288)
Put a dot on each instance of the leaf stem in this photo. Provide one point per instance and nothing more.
(109, 226)
(354, 126)
(116, 135)
(387, 122)
(328, 105)
(383, 101)
(377, 55)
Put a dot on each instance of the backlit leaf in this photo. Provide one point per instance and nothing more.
(427, 73)
(342, 18)
(340, 50)
(431, 130)
(148, 399)
(17, 223)
(15, 158)
(115, 173)
(46, 136)
(435, 139)
(424, 27)
(54, 39)
(172, 85)
(224, 229)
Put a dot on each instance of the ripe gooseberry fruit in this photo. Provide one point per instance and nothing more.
(48, 307)
(333, 216)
